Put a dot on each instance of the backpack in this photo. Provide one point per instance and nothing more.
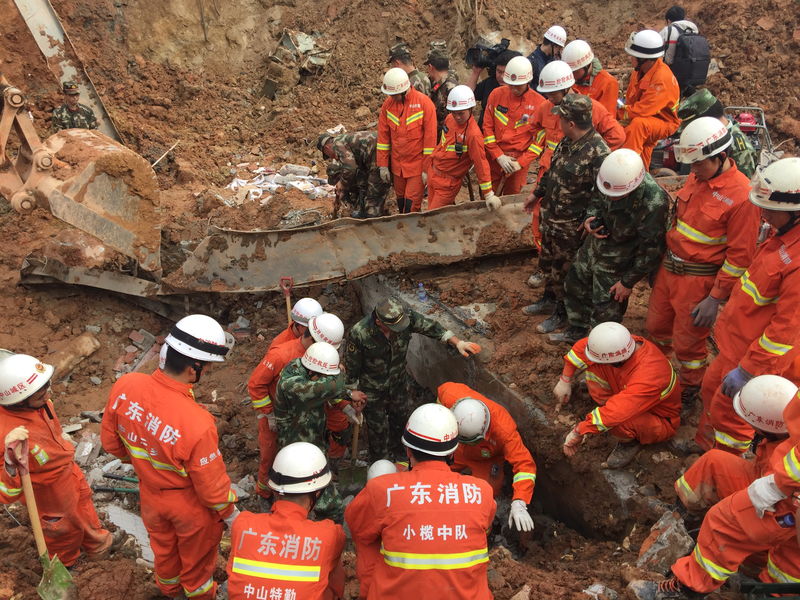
(692, 58)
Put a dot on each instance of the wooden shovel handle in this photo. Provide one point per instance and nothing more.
(287, 283)
(354, 449)
(33, 513)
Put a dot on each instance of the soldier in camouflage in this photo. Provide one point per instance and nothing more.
(375, 362)
(565, 190)
(703, 104)
(626, 225)
(400, 57)
(442, 81)
(352, 169)
(72, 114)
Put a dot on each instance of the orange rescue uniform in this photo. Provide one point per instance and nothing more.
(602, 87)
(651, 105)
(757, 330)
(423, 529)
(64, 500)
(640, 400)
(185, 492)
(285, 555)
(716, 230)
(407, 136)
(502, 443)
(287, 335)
(262, 388)
(460, 147)
(508, 129)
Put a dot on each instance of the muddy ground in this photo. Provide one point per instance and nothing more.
(192, 71)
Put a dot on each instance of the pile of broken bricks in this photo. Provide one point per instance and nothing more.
(144, 346)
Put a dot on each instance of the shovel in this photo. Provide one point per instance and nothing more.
(354, 474)
(287, 283)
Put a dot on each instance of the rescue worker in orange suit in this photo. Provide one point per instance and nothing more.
(633, 383)
(301, 312)
(424, 529)
(708, 250)
(487, 438)
(186, 495)
(406, 138)
(507, 127)
(651, 100)
(757, 519)
(757, 331)
(460, 147)
(283, 554)
(34, 443)
(591, 79)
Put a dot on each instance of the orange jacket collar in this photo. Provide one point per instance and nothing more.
(288, 509)
(169, 382)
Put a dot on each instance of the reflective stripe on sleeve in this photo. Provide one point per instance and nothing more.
(222, 505)
(575, 359)
(445, 562)
(522, 476)
(598, 380)
(723, 438)
(261, 403)
(681, 483)
(597, 420)
(271, 570)
(386, 147)
(713, 569)
(485, 186)
(773, 347)
(489, 139)
(732, 269)
(9, 491)
(426, 151)
(792, 465)
(693, 364)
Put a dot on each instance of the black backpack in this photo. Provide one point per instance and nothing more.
(691, 60)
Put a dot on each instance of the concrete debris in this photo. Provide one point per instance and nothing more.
(667, 542)
(95, 416)
(88, 449)
(660, 457)
(142, 339)
(95, 380)
(112, 465)
(247, 483)
(300, 50)
(133, 525)
(69, 357)
(267, 181)
(599, 591)
(95, 329)
(72, 428)
(523, 594)
(95, 476)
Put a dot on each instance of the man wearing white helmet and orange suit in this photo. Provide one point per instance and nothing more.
(35, 443)
(708, 250)
(549, 50)
(460, 147)
(301, 312)
(423, 529)
(406, 139)
(634, 385)
(488, 438)
(186, 496)
(650, 111)
(591, 78)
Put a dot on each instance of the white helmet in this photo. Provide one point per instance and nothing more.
(622, 172)
(327, 327)
(304, 309)
(762, 400)
(473, 420)
(299, 468)
(555, 76)
(21, 376)
(557, 35)
(518, 71)
(432, 429)
(199, 337)
(577, 54)
(702, 138)
(460, 98)
(610, 342)
(395, 81)
(321, 357)
(777, 187)
(645, 44)
(381, 467)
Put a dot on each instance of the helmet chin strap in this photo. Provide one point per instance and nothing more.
(197, 367)
(788, 226)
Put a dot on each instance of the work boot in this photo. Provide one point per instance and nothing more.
(536, 279)
(689, 396)
(545, 305)
(669, 589)
(358, 213)
(555, 321)
(407, 208)
(569, 336)
(401, 204)
(623, 454)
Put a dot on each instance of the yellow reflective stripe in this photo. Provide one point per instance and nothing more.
(750, 288)
(143, 454)
(384, 146)
(9, 491)
(523, 476)
(575, 359)
(442, 138)
(427, 151)
(773, 347)
(671, 385)
(415, 117)
(598, 380)
(540, 136)
(725, 439)
(489, 139)
(698, 236)
(262, 486)
(447, 562)
(221, 505)
(713, 569)
(732, 269)
(393, 118)
(778, 575)
(662, 342)
(681, 483)
(262, 402)
(693, 364)
(451, 148)
(171, 581)
(552, 145)
(486, 185)
(792, 465)
(537, 150)
(271, 570)
(500, 117)
(597, 420)
(201, 590)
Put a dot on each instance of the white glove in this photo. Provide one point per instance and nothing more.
(386, 174)
(424, 178)
(352, 416)
(508, 164)
(519, 518)
(466, 348)
(572, 441)
(764, 494)
(562, 391)
(492, 201)
(229, 520)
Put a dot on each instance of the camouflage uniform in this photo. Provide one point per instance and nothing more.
(420, 82)
(638, 225)
(354, 165)
(565, 189)
(376, 365)
(64, 118)
(439, 93)
(300, 417)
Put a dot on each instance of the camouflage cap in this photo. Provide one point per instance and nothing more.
(399, 51)
(70, 88)
(323, 139)
(438, 49)
(575, 107)
(696, 105)
(392, 313)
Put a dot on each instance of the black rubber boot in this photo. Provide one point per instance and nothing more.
(569, 336)
(555, 321)
(544, 306)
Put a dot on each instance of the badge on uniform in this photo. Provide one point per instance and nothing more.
(485, 453)
(351, 347)
(502, 109)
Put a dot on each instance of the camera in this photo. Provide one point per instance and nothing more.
(483, 55)
(599, 226)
